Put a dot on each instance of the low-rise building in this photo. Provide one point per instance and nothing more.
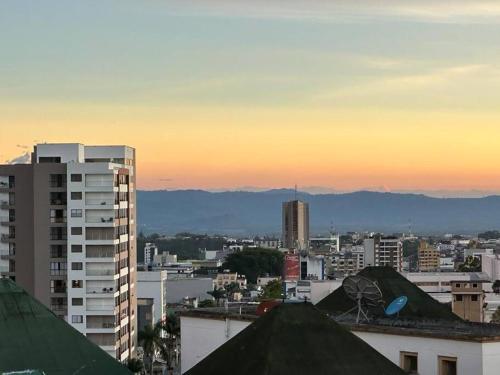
(152, 286)
(225, 278)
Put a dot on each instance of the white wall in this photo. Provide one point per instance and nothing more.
(469, 354)
(200, 337)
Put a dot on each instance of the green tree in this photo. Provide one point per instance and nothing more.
(496, 316)
(272, 290)
(206, 303)
(218, 294)
(151, 341)
(471, 264)
(170, 341)
(255, 262)
(135, 365)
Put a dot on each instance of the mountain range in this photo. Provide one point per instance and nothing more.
(243, 213)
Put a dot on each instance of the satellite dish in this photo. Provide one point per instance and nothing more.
(396, 306)
(363, 291)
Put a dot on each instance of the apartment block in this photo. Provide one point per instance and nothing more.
(428, 257)
(67, 224)
(295, 216)
(384, 251)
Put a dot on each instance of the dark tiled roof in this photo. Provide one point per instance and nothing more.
(295, 339)
(33, 338)
(420, 305)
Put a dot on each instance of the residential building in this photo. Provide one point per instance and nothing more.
(384, 251)
(267, 242)
(145, 313)
(310, 290)
(225, 278)
(164, 259)
(69, 223)
(428, 257)
(150, 251)
(348, 261)
(295, 217)
(324, 245)
(312, 267)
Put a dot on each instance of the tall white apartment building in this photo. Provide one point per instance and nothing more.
(72, 238)
(150, 251)
(384, 251)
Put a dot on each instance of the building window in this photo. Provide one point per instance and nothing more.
(58, 251)
(77, 301)
(76, 231)
(447, 365)
(76, 195)
(58, 268)
(76, 178)
(459, 298)
(76, 248)
(473, 298)
(76, 318)
(474, 285)
(77, 284)
(77, 266)
(76, 213)
(57, 286)
(409, 362)
(457, 285)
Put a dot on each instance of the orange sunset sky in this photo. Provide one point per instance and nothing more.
(319, 94)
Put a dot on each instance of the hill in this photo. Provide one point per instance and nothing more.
(248, 213)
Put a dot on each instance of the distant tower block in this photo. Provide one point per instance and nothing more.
(295, 225)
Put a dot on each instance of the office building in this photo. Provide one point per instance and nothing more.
(68, 237)
(295, 231)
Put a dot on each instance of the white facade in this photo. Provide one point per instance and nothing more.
(201, 336)
(153, 285)
(150, 251)
(100, 228)
(313, 290)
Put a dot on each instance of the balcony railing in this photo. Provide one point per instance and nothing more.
(100, 307)
(100, 272)
(7, 237)
(96, 290)
(100, 219)
(58, 307)
(99, 202)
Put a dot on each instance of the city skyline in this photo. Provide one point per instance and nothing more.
(397, 97)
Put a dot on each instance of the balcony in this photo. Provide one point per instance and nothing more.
(97, 272)
(7, 237)
(5, 204)
(58, 307)
(101, 322)
(98, 290)
(100, 219)
(107, 307)
(99, 202)
(7, 220)
(100, 251)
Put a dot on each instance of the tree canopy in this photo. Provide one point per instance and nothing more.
(272, 290)
(255, 262)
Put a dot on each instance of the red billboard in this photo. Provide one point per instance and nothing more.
(292, 267)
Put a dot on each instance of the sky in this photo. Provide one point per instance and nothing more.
(225, 94)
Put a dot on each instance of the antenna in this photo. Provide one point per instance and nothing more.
(295, 191)
(364, 292)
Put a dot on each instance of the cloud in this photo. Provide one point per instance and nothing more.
(24, 147)
(21, 159)
(458, 11)
(166, 179)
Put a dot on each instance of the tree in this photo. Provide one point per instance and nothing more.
(218, 294)
(496, 286)
(135, 365)
(272, 290)
(255, 262)
(496, 316)
(171, 326)
(206, 303)
(471, 264)
(151, 341)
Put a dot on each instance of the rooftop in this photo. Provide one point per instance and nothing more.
(33, 338)
(272, 344)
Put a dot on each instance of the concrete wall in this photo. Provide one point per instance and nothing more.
(200, 337)
(177, 289)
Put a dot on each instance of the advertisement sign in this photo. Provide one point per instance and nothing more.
(292, 267)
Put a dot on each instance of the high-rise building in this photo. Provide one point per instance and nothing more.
(150, 251)
(383, 251)
(67, 224)
(295, 225)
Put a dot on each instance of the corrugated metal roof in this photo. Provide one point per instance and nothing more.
(33, 339)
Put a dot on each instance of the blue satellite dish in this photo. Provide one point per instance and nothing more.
(396, 305)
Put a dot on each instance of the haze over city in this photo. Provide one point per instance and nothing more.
(232, 94)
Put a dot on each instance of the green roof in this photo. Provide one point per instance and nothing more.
(33, 338)
(295, 339)
(392, 284)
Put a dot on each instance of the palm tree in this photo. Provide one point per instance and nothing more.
(172, 328)
(151, 341)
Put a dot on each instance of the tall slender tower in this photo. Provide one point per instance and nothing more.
(295, 232)
(67, 224)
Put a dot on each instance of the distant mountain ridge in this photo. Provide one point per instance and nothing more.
(249, 213)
